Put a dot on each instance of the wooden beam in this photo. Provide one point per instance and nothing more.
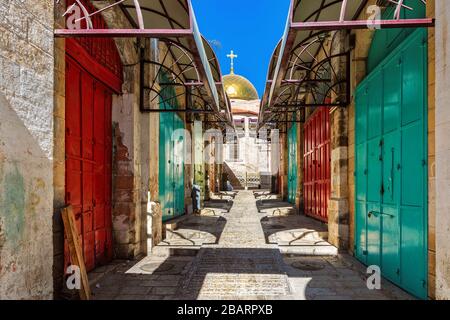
(76, 252)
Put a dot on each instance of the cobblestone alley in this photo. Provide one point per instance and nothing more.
(257, 250)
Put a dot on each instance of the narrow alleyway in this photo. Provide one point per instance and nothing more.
(245, 253)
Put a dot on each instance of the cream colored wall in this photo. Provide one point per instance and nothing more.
(26, 149)
(441, 119)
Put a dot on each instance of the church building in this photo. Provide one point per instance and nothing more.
(246, 156)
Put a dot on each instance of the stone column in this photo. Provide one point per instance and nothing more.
(189, 167)
(154, 219)
(275, 160)
(338, 205)
(59, 154)
(199, 167)
(284, 156)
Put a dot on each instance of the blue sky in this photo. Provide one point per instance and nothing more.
(252, 28)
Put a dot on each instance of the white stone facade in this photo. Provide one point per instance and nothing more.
(249, 158)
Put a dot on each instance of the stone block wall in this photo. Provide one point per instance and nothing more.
(59, 161)
(131, 151)
(338, 205)
(26, 149)
(432, 157)
(363, 40)
(299, 198)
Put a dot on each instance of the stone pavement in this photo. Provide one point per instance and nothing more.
(241, 265)
(237, 255)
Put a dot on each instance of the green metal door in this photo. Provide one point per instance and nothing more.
(391, 166)
(292, 163)
(171, 157)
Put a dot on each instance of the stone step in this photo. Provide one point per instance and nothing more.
(290, 235)
(184, 235)
(179, 251)
(309, 250)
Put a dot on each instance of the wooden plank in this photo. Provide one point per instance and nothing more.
(75, 249)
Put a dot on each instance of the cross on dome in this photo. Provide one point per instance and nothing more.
(232, 56)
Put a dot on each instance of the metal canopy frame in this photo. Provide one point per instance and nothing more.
(296, 75)
(173, 22)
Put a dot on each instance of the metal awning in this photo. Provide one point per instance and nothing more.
(172, 22)
(302, 73)
(224, 100)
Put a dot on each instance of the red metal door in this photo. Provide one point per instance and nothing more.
(317, 164)
(93, 73)
(88, 161)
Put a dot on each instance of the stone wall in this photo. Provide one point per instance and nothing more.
(284, 163)
(26, 149)
(442, 149)
(363, 40)
(131, 151)
(338, 205)
(432, 158)
(59, 154)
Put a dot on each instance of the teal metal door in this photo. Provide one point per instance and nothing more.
(171, 157)
(178, 166)
(171, 165)
(292, 163)
(391, 166)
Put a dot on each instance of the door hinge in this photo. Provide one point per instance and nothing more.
(365, 252)
(382, 190)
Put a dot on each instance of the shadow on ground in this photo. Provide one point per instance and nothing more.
(264, 195)
(196, 231)
(293, 230)
(338, 277)
(240, 274)
(153, 278)
(238, 269)
(203, 229)
(235, 273)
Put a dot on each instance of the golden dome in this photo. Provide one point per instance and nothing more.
(238, 87)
